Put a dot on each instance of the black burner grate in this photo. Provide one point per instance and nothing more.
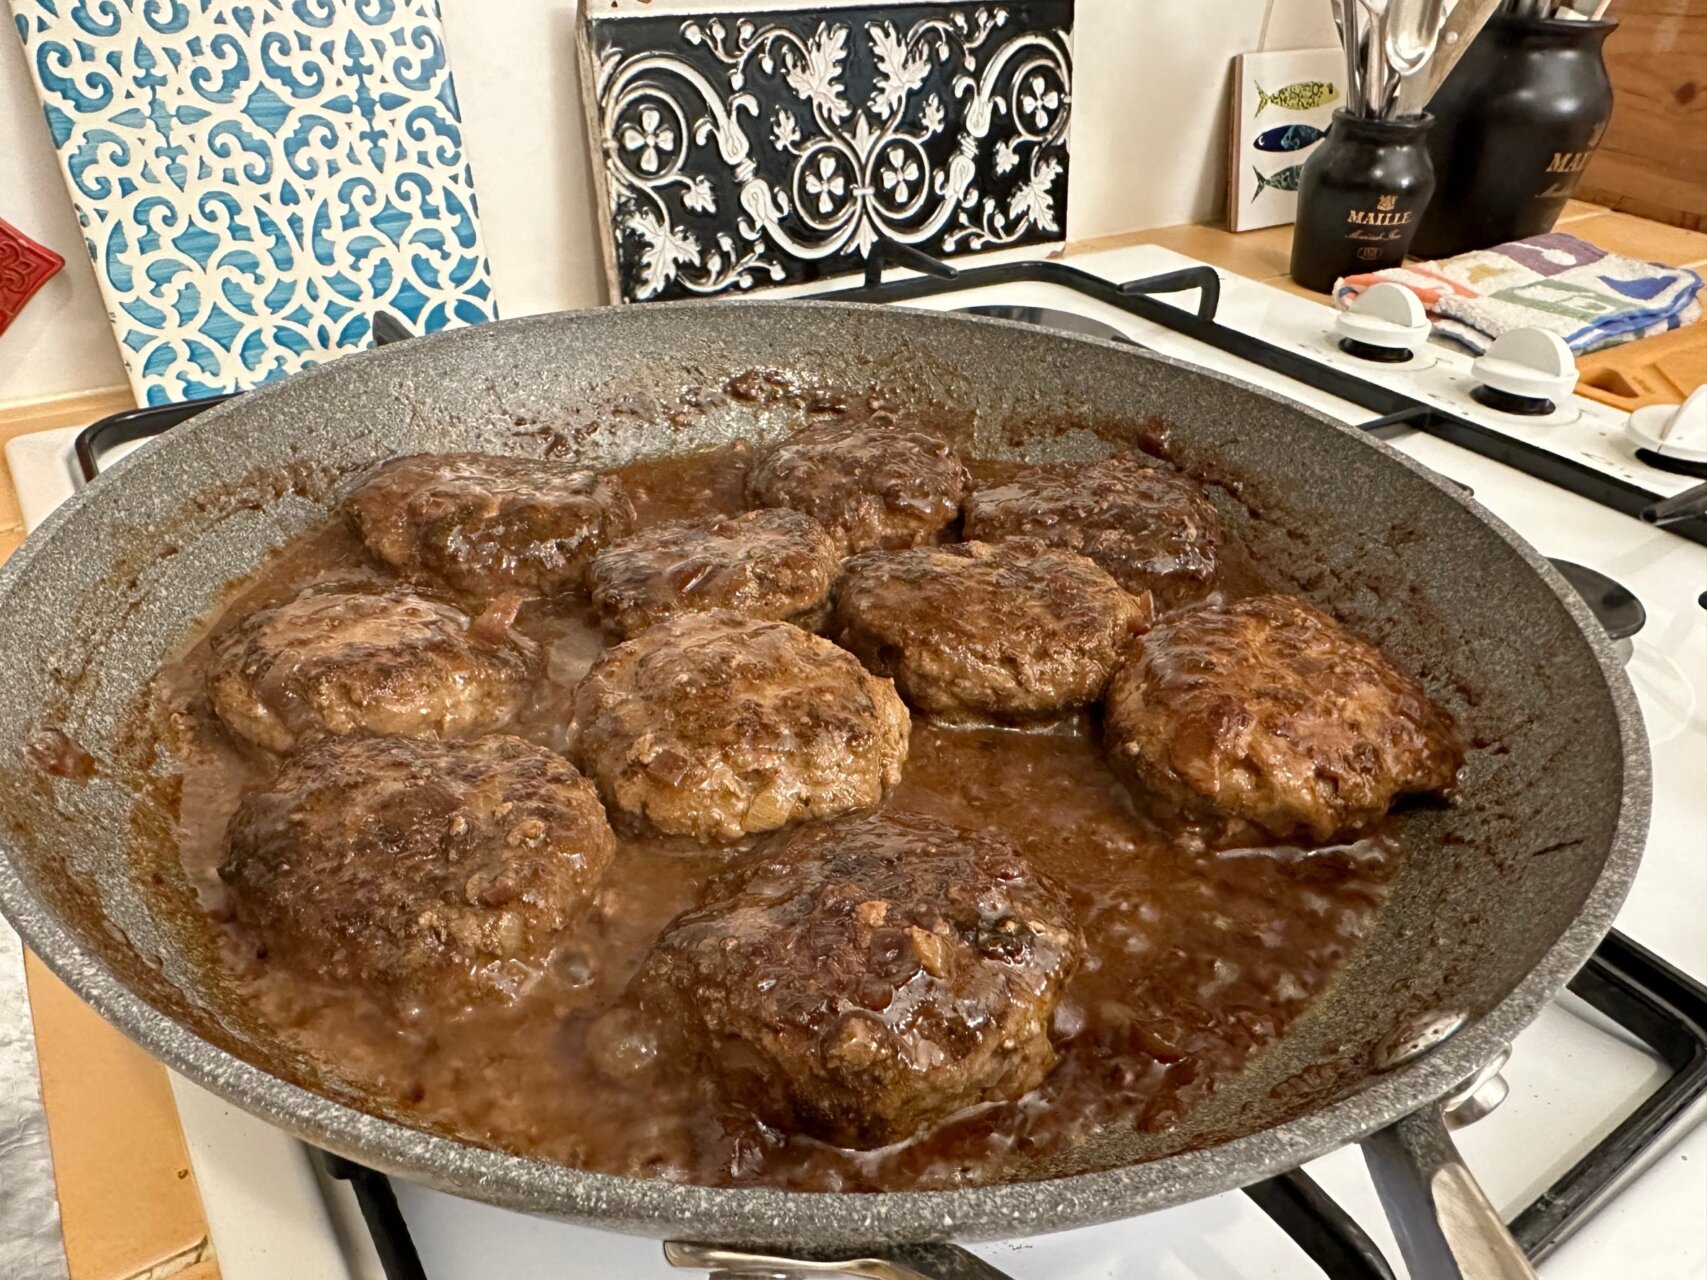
(1138, 298)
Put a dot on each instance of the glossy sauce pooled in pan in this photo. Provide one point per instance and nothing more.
(1195, 958)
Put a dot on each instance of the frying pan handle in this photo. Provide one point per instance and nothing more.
(1446, 1228)
(1684, 506)
(905, 1262)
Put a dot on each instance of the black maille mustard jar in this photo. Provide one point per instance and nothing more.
(1359, 198)
(1517, 122)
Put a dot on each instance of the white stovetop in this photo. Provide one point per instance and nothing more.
(1571, 1080)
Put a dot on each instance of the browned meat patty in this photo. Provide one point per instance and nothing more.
(765, 565)
(1150, 527)
(1270, 712)
(418, 870)
(986, 630)
(871, 486)
(712, 726)
(864, 979)
(486, 525)
(340, 662)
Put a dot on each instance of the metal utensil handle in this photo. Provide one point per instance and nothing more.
(1375, 69)
(1346, 13)
(1445, 1226)
(906, 1262)
(1462, 25)
(1684, 506)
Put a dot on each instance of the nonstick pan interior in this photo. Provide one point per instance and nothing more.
(1503, 896)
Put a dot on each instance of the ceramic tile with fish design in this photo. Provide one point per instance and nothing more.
(1283, 103)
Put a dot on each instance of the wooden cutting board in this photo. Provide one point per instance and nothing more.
(1658, 370)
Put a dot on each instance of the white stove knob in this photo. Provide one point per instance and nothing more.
(1527, 365)
(1673, 430)
(1387, 317)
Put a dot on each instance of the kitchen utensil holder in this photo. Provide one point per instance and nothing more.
(1359, 198)
(1516, 123)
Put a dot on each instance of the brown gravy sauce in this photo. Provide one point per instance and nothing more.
(1197, 958)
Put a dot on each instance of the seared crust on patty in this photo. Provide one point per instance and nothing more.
(334, 663)
(1150, 526)
(771, 566)
(418, 869)
(868, 977)
(486, 524)
(713, 726)
(1005, 631)
(870, 486)
(1267, 711)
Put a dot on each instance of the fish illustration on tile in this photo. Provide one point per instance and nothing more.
(1305, 95)
(1281, 180)
(1288, 137)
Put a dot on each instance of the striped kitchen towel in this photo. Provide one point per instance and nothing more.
(1590, 298)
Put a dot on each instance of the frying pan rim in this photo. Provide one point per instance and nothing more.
(760, 1214)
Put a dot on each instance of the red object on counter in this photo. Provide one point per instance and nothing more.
(25, 266)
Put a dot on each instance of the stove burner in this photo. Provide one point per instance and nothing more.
(1612, 604)
(1048, 318)
(1369, 351)
(1679, 466)
(1506, 402)
(1137, 298)
(1688, 505)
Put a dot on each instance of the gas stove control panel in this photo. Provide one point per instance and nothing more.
(1526, 371)
(1385, 323)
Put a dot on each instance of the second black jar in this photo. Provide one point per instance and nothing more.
(1517, 122)
(1360, 197)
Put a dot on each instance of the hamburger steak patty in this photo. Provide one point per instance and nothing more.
(764, 565)
(1268, 711)
(870, 486)
(1149, 526)
(418, 869)
(335, 662)
(713, 726)
(866, 978)
(986, 631)
(485, 524)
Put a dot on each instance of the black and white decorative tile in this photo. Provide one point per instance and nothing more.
(740, 146)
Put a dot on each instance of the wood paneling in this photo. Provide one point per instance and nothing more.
(1653, 160)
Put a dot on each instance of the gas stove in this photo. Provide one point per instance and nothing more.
(1593, 1150)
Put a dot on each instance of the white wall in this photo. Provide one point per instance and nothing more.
(1149, 150)
(60, 342)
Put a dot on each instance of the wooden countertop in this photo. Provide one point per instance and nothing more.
(128, 1199)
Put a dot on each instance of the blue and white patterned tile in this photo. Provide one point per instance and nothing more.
(255, 179)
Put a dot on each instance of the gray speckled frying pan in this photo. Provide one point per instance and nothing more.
(1503, 897)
